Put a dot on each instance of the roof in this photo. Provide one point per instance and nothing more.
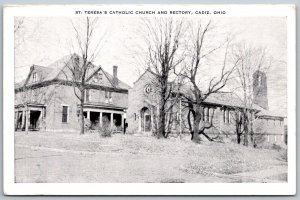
(226, 99)
(148, 70)
(55, 69)
(103, 105)
(120, 85)
(267, 113)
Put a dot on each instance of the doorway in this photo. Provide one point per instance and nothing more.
(145, 120)
(34, 120)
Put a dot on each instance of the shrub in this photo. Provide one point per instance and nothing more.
(87, 124)
(276, 147)
(105, 130)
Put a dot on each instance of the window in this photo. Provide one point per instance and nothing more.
(275, 139)
(65, 113)
(107, 95)
(99, 76)
(268, 138)
(228, 116)
(87, 95)
(134, 116)
(225, 116)
(206, 114)
(34, 77)
(259, 80)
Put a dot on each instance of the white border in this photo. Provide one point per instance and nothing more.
(11, 188)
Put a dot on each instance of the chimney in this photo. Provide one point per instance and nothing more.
(115, 74)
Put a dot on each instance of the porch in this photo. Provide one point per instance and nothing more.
(98, 114)
(29, 117)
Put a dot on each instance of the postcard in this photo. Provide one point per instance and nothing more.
(180, 99)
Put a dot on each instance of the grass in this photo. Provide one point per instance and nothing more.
(204, 159)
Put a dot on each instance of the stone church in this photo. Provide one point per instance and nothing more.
(218, 107)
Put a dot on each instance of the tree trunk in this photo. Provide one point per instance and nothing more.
(161, 132)
(81, 113)
(246, 131)
(197, 120)
(251, 132)
(161, 123)
(238, 138)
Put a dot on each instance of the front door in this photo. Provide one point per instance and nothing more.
(147, 123)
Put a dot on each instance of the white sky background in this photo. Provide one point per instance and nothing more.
(45, 40)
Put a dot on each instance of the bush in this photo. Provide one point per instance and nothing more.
(283, 155)
(87, 124)
(105, 130)
(276, 147)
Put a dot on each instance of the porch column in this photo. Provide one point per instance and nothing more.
(42, 114)
(122, 122)
(23, 119)
(111, 119)
(16, 120)
(88, 114)
(27, 120)
(100, 119)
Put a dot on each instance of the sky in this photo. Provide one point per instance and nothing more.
(42, 41)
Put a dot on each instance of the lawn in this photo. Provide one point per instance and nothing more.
(70, 157)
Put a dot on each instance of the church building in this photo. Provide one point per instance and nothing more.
(218, 107)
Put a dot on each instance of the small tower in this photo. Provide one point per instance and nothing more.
(260, 89)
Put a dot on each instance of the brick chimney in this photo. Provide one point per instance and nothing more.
(115, 75)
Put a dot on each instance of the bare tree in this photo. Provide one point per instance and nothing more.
(201, 49)
(78, 69)
(163, 42)
(252, 62)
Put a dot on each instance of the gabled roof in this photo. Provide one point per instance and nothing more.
(149, 71)
(109, 77)
(56, 71)
(263, 113)
(58, 66)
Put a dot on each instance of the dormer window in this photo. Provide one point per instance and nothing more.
(34, 77)
(98, 77)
